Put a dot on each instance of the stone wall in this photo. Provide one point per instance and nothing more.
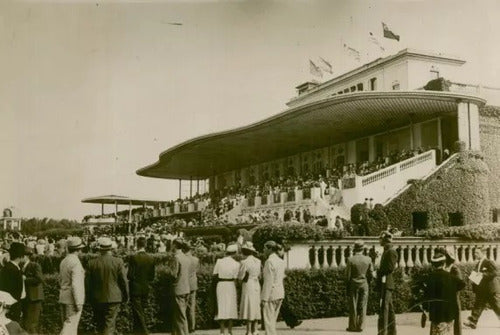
(490, 146)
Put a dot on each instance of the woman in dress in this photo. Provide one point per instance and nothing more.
(249, 274)
(226, 272)
(7, 326)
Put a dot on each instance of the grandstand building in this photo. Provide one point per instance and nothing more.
(396, 119)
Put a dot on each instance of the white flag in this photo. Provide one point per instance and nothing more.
(325, 66)
(314, 69)
(352, 52)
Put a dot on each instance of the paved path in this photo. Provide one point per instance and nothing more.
(407, 324)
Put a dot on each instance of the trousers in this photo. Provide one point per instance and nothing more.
(105, 317)
(482, 298)
(191, 311)
(31, 315)
(358, 300)
(180, 326)
(386, 316)
(70, 319)
(270, 310)
(138, 303)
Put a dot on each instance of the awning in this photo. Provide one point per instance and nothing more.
(323, 123)
(121, 200)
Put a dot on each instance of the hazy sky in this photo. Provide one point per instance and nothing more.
(90, 91)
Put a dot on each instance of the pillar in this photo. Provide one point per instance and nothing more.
(351, 152)
(179, 188)
(371, 149)
(130, 211)
(102, 208)
(440, 134)
(417, 135)
(468, 125)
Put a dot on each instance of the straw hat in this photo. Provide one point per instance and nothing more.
(74, 243)
(104, 243)
(232, 248)
(359, 245)
(248, 246)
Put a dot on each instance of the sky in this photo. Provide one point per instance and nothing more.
(91, 91)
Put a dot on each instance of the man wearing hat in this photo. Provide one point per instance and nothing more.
(72, 282)
(385, 285)
(487, 290)
(181, 288)
(193, 286)
(107, 287)
(11, 278)
(33, 283)
(359, 272)
(141, 272)
(273, 291)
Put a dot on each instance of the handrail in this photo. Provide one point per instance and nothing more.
(394, 168)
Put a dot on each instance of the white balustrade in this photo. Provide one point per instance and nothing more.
(412, 251)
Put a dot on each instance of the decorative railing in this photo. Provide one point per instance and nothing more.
(412, 251)
(415, 160)
(384, 173)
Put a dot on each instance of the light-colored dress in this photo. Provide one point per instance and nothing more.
(250, 291)
(227, 305)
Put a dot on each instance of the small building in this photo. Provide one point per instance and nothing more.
(10, 219)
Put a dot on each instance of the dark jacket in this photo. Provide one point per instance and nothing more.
(105, 280)
(441, 295)
(490, 284)
(11, 280)
(33, 282)
(387, 266)
(141, 271)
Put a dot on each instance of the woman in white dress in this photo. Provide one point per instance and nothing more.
(226, 270)
(249, 274)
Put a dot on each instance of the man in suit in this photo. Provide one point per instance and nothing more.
(11, 279)
(488, 290)
(33, 283)
(141, 272)
(181, 288)
(273, 291)
(72, 283)
(106, 285)
(193, 287)
(359, 272)
(385, 284)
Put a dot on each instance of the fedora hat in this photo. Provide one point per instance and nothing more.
(6, 298)
(248, 246)
(359, 245)
(232, 248)
(104, 243)
(74, 243)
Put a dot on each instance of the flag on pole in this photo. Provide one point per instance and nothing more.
(375, 41)
(314, 69)
(352, 52)
(325, 66)
(388, 33)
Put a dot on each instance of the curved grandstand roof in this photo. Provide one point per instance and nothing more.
(333, 120)
(120, 200)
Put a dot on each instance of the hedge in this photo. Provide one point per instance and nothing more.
(310, 294)
(479, 232)
(288, 232)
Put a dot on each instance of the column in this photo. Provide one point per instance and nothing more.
(371, 149)
(179, 189)
(440, 135)
(351, 152)
(116, 208)
(130, 211)
(417, 135)
(474, 127)
(468, 125)
(190, 187)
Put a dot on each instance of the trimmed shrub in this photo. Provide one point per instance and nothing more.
(288, 232)
(480, 232)
(310, 294)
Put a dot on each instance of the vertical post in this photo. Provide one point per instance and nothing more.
(116, 208)
(198, 186)
(102, 208)
(179, 188)
(130, 211)
(190, 187)
(440, 135)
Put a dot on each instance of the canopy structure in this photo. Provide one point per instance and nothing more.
(121, 200)
(325, 122)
